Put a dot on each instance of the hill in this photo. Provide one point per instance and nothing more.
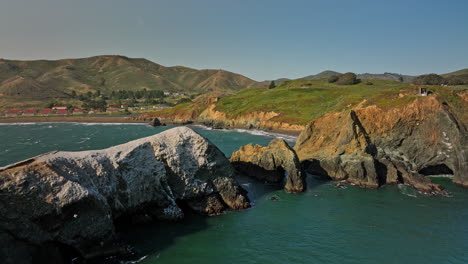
(59, 78)
(293, 104)
(456, 73)
(322, 75)
(387, 76)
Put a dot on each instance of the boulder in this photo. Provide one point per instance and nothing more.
(62, 202)
(271, 164)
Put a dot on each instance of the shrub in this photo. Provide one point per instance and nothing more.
(429, 79)
(272, 85)
(369, 83)
(333, 79)
(347, 79)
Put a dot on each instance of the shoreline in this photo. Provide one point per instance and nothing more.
(129, 120)
(72, 119)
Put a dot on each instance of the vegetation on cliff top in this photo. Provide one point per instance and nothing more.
(300, 101)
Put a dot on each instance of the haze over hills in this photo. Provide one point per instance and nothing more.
(59, 78)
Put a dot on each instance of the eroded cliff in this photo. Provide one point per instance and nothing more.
(371, 146)
(272, 163)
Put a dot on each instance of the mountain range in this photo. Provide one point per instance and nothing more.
(59, 78)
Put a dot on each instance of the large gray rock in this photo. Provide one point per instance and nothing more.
(70, 200)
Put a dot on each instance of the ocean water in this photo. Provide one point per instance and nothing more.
(394, 224)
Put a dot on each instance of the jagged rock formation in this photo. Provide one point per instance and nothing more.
(270, 164)
(370, 146)
(69, 201)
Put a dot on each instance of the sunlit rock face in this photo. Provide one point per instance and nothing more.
(72, 199)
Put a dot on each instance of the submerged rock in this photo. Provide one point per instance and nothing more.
(68, 201)
(270, 164)
(370, 146)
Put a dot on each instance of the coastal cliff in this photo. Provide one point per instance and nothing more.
(68, 202)
(272, 163)
(371, 146)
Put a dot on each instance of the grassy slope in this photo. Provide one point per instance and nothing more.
(42, 80)
(456, 73)
(301, 101)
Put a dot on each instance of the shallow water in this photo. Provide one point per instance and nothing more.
(394, 224)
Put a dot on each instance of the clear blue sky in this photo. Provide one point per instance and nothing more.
(260, 39)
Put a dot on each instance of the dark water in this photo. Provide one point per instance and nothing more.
(394, 224)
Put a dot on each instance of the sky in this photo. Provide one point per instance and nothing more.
(261, 39)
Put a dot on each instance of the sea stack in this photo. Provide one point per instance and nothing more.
(272, 164)
(71, 200)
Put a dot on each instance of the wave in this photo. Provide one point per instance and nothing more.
(255, 132)
(73, 123)
(441, 176)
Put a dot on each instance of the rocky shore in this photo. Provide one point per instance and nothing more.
(370, 146)
(65, 204)
(272, 164)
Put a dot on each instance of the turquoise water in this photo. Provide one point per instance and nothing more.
(394, 224)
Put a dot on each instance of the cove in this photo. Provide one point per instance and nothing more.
(394, 224)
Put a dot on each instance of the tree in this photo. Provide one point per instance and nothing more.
(333, 79)
(73, 94)
(272, 85)
(347, 79)
(429, 79)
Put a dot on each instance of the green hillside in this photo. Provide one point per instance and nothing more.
(303, 100)
(42, 79)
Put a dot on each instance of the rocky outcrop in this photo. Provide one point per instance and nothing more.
(69, 201)
(371, 146)
(259, 120)
(271, 164)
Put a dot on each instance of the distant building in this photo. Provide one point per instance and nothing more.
(94, 112)
(13, 112)
(112, 105)
(59, 108)
(45, 112)
(78, 111)
(61, 112)
(166, 93)
(29, 112)
(112, 110)
(124, 106)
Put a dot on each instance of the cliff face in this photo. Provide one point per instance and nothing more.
(370, 146)
(260, 120)
(270, 164)
(71, 199)
(206, 113)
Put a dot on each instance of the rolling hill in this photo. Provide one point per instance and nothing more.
(387, 76)
(58, 79)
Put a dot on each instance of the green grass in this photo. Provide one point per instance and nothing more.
(301, 101)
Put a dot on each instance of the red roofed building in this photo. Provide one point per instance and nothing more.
(61, 112)
(45, 112)
(59, 108)
(124, 106)
(112, 110)
(112, 105)
(29, 112)
(78, 111)
(13, 112)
